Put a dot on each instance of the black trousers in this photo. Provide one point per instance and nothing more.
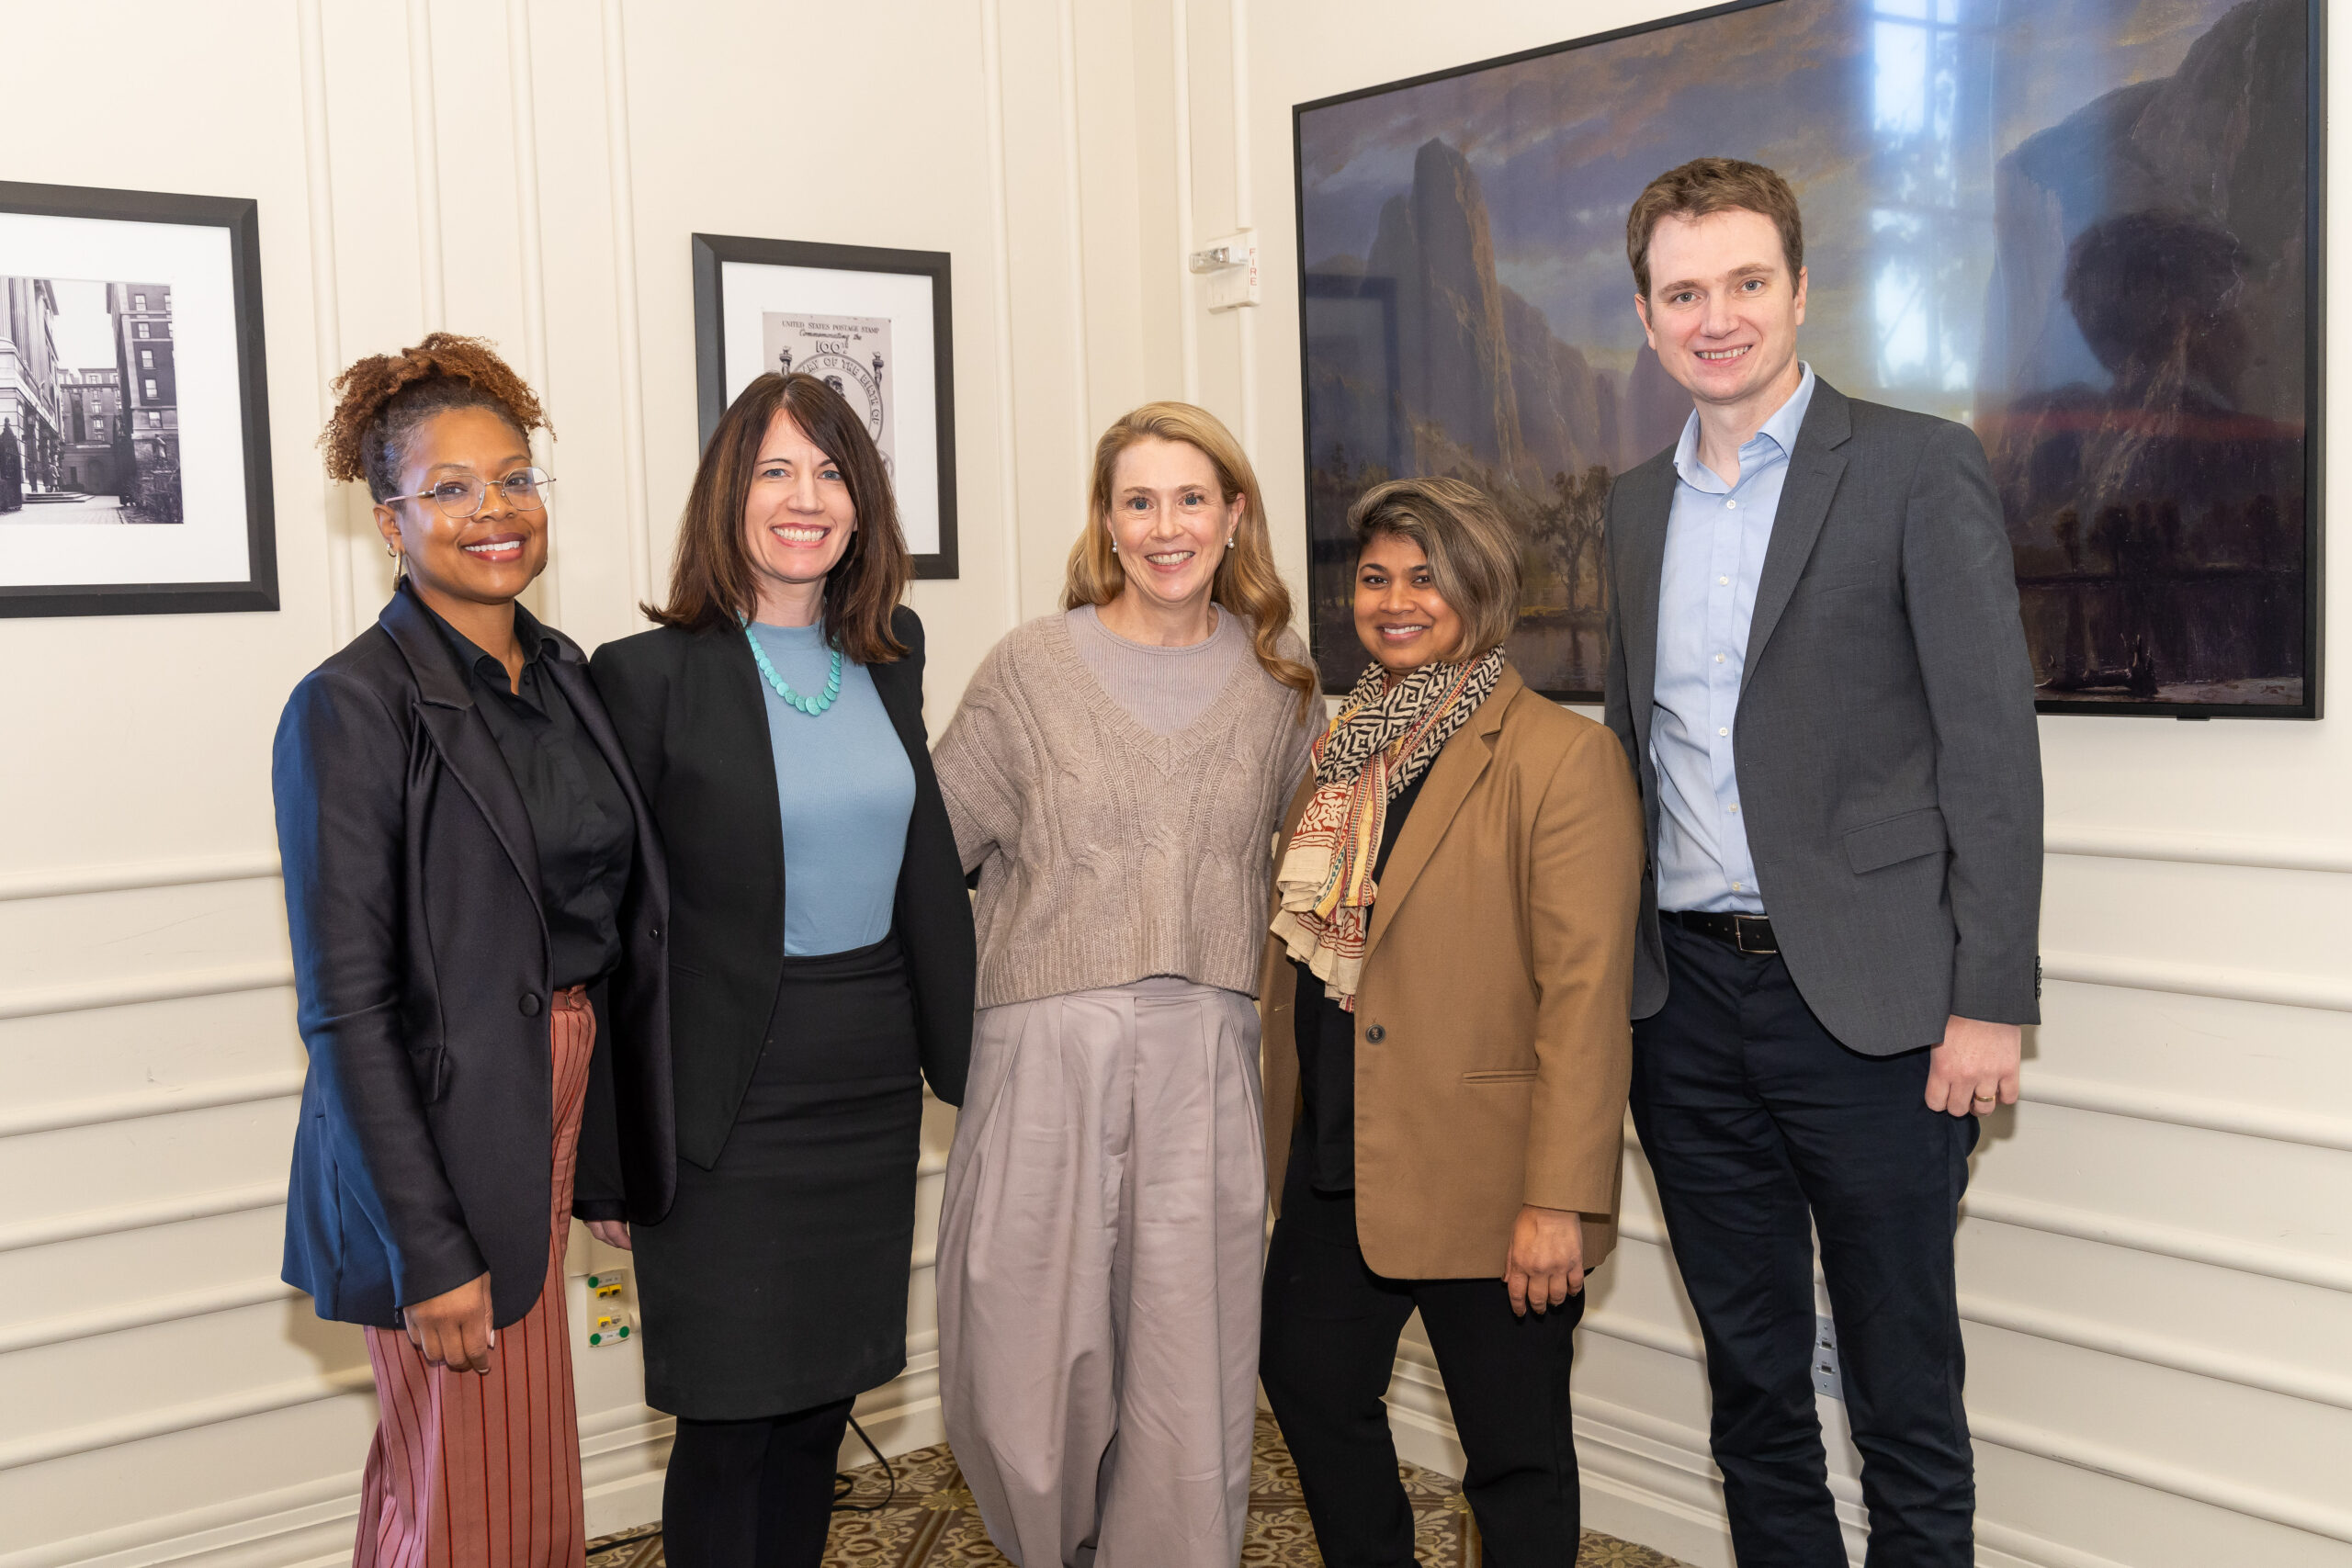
(1327, 1348)
(753, 1494)
(1761, 1129)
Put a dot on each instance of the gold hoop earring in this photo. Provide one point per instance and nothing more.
(391, 551)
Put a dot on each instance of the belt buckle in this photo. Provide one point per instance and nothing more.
(1740, 925)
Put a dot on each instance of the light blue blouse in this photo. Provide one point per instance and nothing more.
(845, 792)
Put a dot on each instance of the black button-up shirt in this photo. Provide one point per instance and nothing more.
(580, 820)
(1327, 1045)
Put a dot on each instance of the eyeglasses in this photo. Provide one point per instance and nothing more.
(462, 498)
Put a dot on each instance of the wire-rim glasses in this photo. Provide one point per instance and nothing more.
(459, 498)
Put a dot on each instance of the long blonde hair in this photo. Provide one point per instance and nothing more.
(1246, 583)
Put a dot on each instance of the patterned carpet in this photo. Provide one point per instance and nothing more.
(933, 1524)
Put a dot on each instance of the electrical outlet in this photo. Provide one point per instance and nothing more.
(1826, 1378)
(603, 1313)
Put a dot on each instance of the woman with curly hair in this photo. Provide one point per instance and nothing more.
(466, 857)
(1115, 774)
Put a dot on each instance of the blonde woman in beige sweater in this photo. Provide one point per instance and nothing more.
(1115, 775)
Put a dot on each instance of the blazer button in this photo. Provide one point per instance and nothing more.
(529, 1004)
(1375, 1034)
(655, 933)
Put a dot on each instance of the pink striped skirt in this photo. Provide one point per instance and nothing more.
(483, 1469)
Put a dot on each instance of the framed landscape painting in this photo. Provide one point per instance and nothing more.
(2090, 232)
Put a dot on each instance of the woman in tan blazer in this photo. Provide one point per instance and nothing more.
(1445, 997)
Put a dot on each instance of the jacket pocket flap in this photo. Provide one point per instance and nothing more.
(1898, 838)
(1510, 1075)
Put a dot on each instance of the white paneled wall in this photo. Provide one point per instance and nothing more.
(2155, 1267)
(527, 170)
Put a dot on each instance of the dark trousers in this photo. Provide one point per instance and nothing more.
(1761, 1129)
(753, 1494)
(1327, 1348)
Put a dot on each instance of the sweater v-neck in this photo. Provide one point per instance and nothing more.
(1164, 752)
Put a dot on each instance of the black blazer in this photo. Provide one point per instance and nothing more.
(693, 721)
(1890, 771)
(421, 967)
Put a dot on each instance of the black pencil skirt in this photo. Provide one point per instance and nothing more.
(779, 1280)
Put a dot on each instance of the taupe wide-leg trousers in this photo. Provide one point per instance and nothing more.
(1099, 1250)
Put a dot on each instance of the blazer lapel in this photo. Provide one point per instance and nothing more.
(902, 700)
(446, 702)
(735, 736)
(1458, 768)
(572, 678)
(1815, 469)
(1649, 503)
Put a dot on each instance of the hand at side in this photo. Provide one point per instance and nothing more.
(1976, 1067)
(453, 1328)
(1546, 1262)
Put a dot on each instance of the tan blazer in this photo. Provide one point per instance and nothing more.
(1492, 1042)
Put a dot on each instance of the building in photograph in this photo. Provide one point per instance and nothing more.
(90, 411)
(149, 471)
(28, 409)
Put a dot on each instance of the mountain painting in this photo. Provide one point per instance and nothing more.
(2082, 227)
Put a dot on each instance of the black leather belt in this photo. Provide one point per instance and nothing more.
(1749, 933)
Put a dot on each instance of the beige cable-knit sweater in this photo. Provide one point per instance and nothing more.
(1108, 853)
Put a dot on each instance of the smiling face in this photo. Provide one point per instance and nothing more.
(1723, 311)
(487, 558)
(1171, 521)
(1402, 619)
(797, 521)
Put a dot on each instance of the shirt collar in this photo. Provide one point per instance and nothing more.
(529, 633)
(1781, 430)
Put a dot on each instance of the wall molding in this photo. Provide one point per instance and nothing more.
(431, 277)
(1188, 327)
(83, 995)
(318, 183)
(164, 1420)
(2169, 1241)
(139, 1104)
(2261, 853)
(1073, 191)
(2177, 1109)
(65, 882)
(2062, 1329)
(2225, 983)
(2158, 1475)
(146, 1313)
(523, 100)
(83, 1223)
(1000, 235)
(618, 156)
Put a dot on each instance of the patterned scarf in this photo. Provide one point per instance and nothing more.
(1381, 741)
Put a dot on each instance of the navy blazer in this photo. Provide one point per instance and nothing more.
(422, 971)
(692, 715)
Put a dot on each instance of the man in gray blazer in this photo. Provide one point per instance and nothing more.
(1818, 670)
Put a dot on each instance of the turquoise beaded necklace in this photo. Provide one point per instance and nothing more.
(812, 706)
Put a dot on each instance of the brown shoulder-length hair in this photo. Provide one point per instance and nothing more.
(1246, 583)
(711, 579)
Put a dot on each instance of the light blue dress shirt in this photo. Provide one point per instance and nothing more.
(1715, 539)
(845, 792)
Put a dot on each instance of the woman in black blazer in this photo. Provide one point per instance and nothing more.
(821, 956)
(465, 854)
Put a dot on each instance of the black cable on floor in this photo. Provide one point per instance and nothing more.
(845, 1487)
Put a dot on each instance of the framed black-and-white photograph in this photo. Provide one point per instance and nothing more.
(872, 322)
(134, 423)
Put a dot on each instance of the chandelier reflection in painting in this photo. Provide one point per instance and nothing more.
(2083, 227)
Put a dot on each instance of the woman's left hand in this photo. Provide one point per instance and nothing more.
(612, 1232)
(1546, 1263)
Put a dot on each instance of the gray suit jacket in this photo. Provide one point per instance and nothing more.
(1890, 773)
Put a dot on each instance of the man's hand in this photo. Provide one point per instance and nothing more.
(612, 1232)
(1546, 1263)
(453, 1328)
(1976, 1067)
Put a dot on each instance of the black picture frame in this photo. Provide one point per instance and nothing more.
(1325, 291)
(711, 254)
(240, 219)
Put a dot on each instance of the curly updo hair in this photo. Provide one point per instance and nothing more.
(381, 400)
